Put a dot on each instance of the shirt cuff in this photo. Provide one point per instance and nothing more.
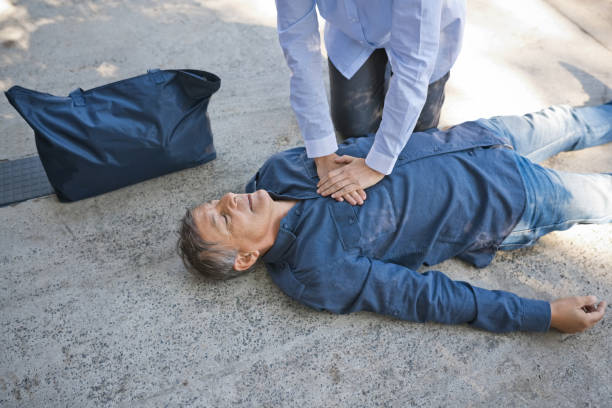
(536, 315)
(379, 162)
(321, 147)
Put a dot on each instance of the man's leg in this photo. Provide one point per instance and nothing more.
(556, 200)
(430, 115)
(543, 134)
(357, 103)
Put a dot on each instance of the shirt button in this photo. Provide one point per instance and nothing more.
(286, 226)
(352, 220)
(298, 212)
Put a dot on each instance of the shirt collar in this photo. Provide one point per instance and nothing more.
(286, 236)
(284, 239)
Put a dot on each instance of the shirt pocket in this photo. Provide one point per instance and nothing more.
(344, 217)
(309, 166)
(377, 217)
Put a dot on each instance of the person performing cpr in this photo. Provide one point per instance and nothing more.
(388, 64)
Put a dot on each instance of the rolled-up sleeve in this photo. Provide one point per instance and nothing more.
(298, 33)
(412, 52)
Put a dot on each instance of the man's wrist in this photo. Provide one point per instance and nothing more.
(324, 158)
(554, 315)
(379, 162)
(375, 171)
(321, 147)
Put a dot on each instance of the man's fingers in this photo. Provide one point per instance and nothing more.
(345, 190)
(587, 300)
(327, 178)
(334, 188)
(332, 178)
(359, 196)
(343, 159)
(598, 314)
(335, 173)
(322, 180)
(355, 197)
(334, 183)
(589, 309)
(350, 199)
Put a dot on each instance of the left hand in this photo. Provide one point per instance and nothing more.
(576, 314)
(354, 175)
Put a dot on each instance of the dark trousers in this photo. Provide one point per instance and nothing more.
(357, 103)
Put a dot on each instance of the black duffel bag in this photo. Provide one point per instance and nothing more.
(122, 133)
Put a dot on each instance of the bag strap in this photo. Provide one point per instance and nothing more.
(206, 79)
(77, 97)
(157, 75)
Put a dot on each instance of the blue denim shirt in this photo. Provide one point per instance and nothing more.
(452, 193)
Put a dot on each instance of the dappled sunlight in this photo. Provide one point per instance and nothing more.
(534, 16)
(16, 25)
(593, 160)
(5, 7)
(88, 8)
(511, 58)
(107, 70)
(262, 12)
(157, 10)
(568, 262)
(514, 92)
(595, 240)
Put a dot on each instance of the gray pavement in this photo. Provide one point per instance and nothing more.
(97, 310)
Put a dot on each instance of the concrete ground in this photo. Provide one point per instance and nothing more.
(96, 309)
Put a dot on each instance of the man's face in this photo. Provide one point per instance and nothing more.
(237, 221)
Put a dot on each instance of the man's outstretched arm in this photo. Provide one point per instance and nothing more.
(398, 291)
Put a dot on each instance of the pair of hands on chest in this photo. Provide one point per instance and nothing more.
(345, 178)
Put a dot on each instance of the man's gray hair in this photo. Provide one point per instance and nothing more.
(206, 258)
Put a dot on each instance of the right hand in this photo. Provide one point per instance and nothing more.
(576, 314)
(325, 164)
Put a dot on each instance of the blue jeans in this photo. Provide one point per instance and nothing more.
(556, 200)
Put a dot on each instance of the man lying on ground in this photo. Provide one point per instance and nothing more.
(467, 192)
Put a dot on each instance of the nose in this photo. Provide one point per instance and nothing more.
(228, 201)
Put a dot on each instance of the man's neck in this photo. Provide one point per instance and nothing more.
(282, 208)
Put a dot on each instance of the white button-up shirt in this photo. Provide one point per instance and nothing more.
(422, 39)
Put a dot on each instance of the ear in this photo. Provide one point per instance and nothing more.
(244, 260)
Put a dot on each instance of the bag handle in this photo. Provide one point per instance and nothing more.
(157, 75)
(211, 81)
(193, 80)
(77, 97)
